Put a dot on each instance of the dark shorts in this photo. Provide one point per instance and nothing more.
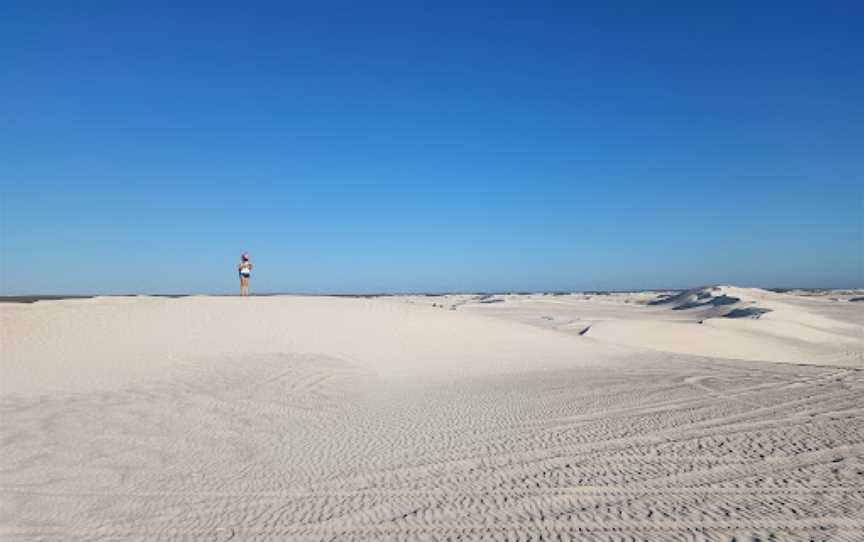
(242, 276)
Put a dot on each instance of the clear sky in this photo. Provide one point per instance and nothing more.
(434, 146)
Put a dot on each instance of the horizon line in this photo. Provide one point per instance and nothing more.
(30, 298)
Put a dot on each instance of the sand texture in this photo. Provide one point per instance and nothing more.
(521, 417)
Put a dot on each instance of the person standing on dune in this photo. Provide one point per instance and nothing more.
(245, 270)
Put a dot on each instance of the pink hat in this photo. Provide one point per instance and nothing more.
(245, 256)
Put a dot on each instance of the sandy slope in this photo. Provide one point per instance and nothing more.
(812, 330)
(320, 418)
(102, 343)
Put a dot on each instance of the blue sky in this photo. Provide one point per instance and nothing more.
(437, 146)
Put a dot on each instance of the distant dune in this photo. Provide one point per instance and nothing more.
(714, 413)
(714, 321)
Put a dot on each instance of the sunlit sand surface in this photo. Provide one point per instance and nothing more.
(646, 416)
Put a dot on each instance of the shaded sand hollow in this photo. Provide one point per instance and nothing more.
(713, 414)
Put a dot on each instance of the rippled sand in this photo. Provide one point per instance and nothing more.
(318, 418)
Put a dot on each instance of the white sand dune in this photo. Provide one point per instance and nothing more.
(102, 343)
(309, 418)
(792, 330)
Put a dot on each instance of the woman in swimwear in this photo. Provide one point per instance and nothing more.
(245, 270)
